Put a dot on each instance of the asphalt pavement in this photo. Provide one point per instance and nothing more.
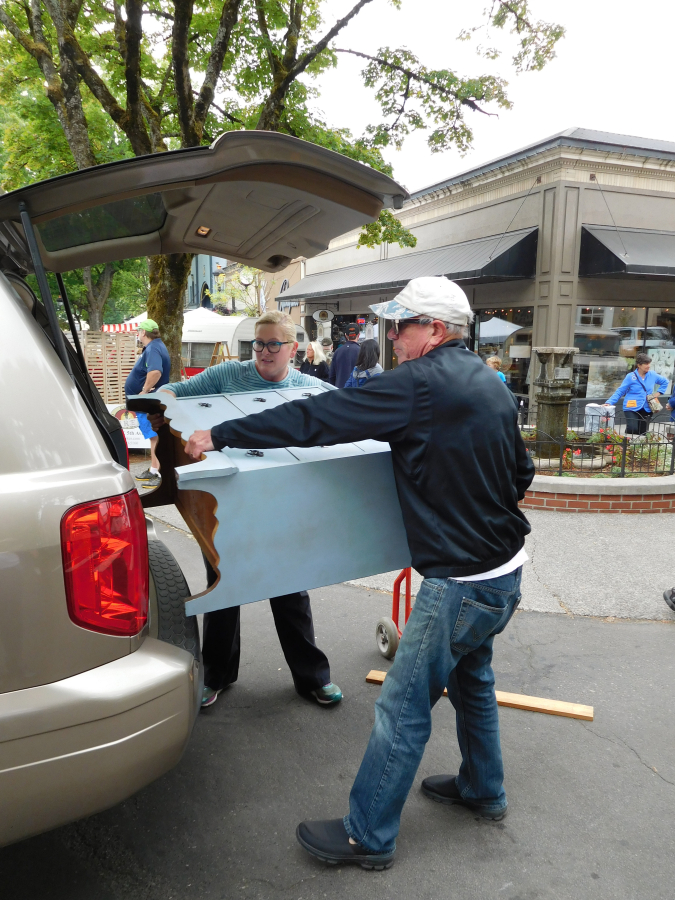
(590, 803)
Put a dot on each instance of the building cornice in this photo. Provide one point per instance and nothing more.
(567, 164)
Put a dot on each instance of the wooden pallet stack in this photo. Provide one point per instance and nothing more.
(109, 357)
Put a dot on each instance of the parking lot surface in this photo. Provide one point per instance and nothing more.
(590, 803)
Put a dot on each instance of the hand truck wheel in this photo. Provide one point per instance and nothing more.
(387, 638)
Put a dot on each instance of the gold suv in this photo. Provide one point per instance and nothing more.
(99, 666)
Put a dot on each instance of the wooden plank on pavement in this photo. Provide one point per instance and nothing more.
(521, 701)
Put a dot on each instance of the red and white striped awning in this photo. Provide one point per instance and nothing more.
(124, 326)
(131, 325)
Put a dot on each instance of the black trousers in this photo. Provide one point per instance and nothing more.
(293, 620)
(637, 420)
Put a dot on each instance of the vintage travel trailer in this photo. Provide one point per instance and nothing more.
(209, 337)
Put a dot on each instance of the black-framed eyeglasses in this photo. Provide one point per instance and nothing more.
(272, 346)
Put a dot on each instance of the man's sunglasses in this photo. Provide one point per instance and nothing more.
(272, 346)
(398, 324)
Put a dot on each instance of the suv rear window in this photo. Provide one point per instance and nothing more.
(119, 219)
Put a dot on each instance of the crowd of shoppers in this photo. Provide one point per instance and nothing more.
(354, 363)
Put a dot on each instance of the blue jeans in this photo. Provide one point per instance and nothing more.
(447, 642)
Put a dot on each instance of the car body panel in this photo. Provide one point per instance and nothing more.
(260, 198)
(74, 747)
(53, 457)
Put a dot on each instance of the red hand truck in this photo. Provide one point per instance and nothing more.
(387, 631)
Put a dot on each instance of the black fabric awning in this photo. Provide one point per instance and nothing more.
(627, 253)
(500, 257)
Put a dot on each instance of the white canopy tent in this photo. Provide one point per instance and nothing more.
(496, 331)
(207, 328)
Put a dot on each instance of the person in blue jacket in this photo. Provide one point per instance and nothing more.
(494, 362)
(636, 387)
(367, 365)
(671, 404)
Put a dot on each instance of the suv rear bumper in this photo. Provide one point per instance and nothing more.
(77, 746)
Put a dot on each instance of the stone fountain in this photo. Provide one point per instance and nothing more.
(554, 385)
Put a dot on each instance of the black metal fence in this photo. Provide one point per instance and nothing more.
(603, 452)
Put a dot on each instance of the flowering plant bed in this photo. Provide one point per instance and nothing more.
(602, 454)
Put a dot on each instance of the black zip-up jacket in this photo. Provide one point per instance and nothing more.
(459, 460)
(320, 371)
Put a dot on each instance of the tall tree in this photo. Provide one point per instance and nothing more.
(173, 73)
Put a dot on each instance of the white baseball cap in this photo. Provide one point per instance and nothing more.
(436, 297)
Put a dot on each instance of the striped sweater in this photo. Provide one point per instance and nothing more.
(234, 377)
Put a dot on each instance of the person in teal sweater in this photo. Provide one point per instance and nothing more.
(635, 389)
(274, 347)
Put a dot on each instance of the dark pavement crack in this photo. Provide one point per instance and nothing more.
(618, 741)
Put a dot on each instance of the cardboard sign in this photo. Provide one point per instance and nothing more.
(132, 433)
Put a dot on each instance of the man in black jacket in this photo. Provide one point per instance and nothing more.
(461, 467)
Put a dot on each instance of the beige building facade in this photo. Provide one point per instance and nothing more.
(569, 242)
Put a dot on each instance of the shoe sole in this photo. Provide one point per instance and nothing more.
(210, 701)
(670, 603)
(371, 863)
(450, 801)
(326, 702)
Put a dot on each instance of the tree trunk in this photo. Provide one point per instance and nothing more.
(97, 293)
(168, 280)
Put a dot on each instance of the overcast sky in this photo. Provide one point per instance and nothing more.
(614, 71)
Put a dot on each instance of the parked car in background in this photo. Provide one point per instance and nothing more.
(633, 339)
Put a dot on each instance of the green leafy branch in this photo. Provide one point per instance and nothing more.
(536, 39)
(386, 230)
(411, 96)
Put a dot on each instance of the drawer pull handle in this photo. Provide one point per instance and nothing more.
(254, 453)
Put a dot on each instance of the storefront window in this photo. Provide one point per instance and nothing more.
(507, 333)
(608, 339)
(592, 315)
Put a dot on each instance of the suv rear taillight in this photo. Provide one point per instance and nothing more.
(105, 564)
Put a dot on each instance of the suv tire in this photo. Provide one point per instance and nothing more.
(168, 590)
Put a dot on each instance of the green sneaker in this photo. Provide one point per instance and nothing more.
(209, 696)
(327, 695)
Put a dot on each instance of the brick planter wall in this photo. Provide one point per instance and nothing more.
(630, 495)
(629, 503)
